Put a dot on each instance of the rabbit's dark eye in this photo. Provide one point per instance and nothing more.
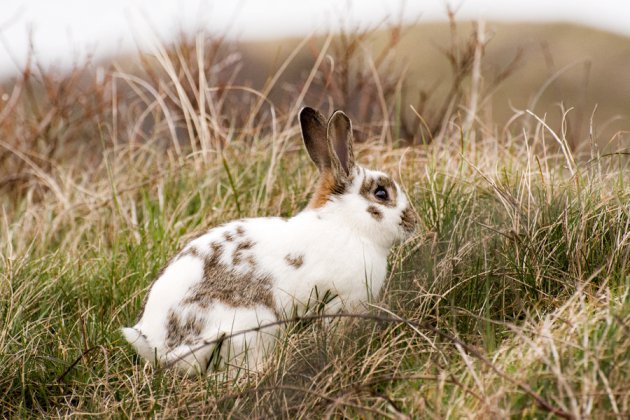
(381, 193)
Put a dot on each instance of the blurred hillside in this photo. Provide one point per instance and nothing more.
(538, 66)
(409, 84)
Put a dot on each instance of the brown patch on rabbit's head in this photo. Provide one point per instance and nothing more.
(327, 187)
(375, 212)
(373, 186)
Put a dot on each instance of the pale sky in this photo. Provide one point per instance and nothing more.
(65, 31)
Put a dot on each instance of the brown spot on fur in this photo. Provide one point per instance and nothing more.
(369, 185)
(180, 331)
(190, 251)
(239, 249)
(240, 230)
(375, 212)
(237, 289)
(228, 236)
(217, 249)
(327, 186)
(294, 261)
(246, 244)
(408, 220)
(251, 261)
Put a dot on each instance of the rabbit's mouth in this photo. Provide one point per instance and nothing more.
(408, 221)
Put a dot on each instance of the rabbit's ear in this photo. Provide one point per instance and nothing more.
(339, 136)
(313, 126)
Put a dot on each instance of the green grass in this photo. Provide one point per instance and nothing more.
(511, 300)
(514, 281)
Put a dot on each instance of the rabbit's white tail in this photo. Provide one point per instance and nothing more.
(139, 342)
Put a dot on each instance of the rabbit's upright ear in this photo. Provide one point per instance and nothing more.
(313, 126)
(339, 136)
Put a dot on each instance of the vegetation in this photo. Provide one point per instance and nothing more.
(512, 299)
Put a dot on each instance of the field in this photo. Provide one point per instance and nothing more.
(512, 299)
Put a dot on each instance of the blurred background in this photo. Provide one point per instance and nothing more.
(65, 31)
(404, 69)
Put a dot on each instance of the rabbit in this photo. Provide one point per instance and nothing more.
(202, 312)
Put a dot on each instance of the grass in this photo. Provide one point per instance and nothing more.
(511, 300)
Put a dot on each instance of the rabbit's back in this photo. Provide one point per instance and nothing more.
(269, 265)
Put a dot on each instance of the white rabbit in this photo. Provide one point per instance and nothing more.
(252, 272)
